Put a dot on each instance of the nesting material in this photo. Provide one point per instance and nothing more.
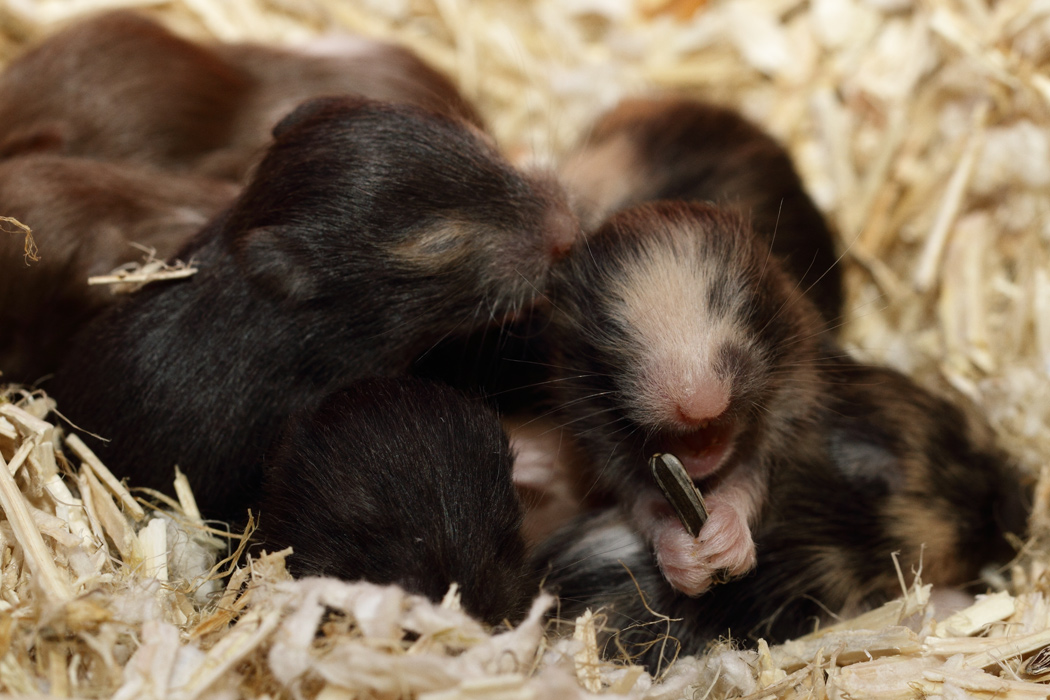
(11, 225)
(922, 129)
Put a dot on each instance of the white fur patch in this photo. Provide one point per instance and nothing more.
(611, 543)
(673, 337)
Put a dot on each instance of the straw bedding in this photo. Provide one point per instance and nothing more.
(922, 130)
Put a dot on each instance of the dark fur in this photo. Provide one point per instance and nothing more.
(692, 151)
(773, 396)
(122, 87)
(83, 214)
(369, 232)
(401, 481)
(888, 450)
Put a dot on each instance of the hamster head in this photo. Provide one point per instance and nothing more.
(422, 196)
(679, 333)
(672, 148)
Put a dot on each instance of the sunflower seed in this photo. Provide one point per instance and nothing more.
(680, 491)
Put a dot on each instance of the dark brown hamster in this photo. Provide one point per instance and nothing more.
(347, 65)
(368, 232)
(406, 481)
(899, 470)
(651, 149)
(84, 214)
(122, 87)
(674, 330)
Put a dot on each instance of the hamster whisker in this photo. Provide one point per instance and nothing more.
(588, 417)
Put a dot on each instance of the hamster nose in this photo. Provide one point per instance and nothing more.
(702, 402)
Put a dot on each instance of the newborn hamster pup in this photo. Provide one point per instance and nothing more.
(403, 481)
(674, 330)
(650, 149)
(84, 214)
(120, 87)
(899, 470)
(369, 232)
(123, 87)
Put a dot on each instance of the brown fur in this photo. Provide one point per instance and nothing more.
(84, 214)
(122, 87)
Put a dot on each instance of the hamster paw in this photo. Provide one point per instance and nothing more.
(723, 550)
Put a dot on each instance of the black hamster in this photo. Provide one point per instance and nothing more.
(401, 480)
(120, 86)
(674, 148)
(898, 470)
(368, 232)
(674, 330)
(84, 214)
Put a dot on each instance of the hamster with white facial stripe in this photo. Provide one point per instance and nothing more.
(894, 470)
(652, 149)
(675, 330)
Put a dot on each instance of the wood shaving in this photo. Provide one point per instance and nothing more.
(922, 130)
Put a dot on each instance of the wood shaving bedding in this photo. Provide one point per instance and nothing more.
(922, 130)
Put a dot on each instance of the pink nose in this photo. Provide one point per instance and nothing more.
(703, 402)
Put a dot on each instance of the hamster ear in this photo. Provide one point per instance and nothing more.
(47, 137)
(318, 105)
(276, 263)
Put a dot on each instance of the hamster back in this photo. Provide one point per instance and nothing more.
(401, 481)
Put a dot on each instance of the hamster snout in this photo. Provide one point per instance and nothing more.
(670, 148)
(401, 481)
(677, 332)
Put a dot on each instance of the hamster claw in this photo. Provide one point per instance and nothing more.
(724, 550)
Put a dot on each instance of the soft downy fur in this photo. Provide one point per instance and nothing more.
(84, 214)
(676, 331)
(122, 87)
(670, 148)
(404, 481)
(369, 232)
(896, 470)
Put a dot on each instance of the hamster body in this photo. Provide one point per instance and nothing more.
(122, 87)
(652, 149)
(368, 232)
(406, 481)
(675, 331)
(84, 214)
(898, 470)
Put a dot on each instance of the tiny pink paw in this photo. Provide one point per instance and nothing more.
(723, 550)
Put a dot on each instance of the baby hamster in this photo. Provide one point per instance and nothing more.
(672, 148)
(674, 330)
(369, 231)
(122, 87)
(899, 470)
(401, 480)
(84, 214)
